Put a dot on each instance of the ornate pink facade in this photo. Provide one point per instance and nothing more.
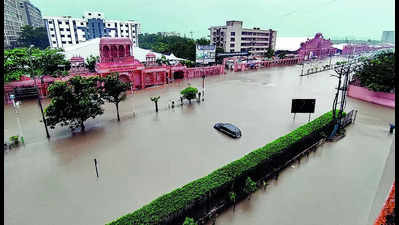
(78, 66)
(317, 47)
(360, 48)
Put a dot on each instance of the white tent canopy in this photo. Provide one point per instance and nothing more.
(91, 47)
(289, 43)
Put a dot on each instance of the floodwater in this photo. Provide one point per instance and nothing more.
(148, 154)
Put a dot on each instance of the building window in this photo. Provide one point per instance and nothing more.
(99, 14)
(54, 42)
(68, 29)
(69, 35)
(63, 42)
(82, 24)
(89, 14)
(232, 39)
(62, 35)
(233, 33)
(232, 50)
(231, 45)
(50, 22)
(67, 22)
(70, 42)
(51, 29)
(52, 35)
(61, 29)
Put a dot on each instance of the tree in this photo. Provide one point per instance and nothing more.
(378, 74)
(91, 62)
(155, 100)
(18, 62)
(33, 36)
(189, 93)
(282, 55)
(203, 41)
(73, 102)
(114, 90)
(189, 221)
(269, 53)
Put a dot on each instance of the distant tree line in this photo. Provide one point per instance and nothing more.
(181, 47)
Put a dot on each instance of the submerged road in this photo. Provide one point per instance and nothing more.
(148, 154)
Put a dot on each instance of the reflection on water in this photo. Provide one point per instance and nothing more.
(147, 154)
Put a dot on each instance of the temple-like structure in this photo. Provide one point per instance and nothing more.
(318, 47)
(78, 66)
(116, 56)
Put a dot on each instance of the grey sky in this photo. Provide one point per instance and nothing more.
(360, 19)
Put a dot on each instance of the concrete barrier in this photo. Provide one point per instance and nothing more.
(380, 98)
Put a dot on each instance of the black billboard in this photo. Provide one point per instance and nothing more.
(303, 105)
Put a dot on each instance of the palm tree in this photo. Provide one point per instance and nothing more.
(155, 100)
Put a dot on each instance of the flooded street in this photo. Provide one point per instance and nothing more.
(146, 154)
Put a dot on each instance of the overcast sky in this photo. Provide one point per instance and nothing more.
(360, 19)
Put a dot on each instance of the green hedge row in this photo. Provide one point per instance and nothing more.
(182, 198)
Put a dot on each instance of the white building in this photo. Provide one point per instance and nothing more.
(234, 38)
(91, 47)
(66, 31)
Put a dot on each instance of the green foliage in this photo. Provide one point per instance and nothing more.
(33, 36)
(14, 139)
(174, 202)
(73, 102)
(163, 60)
(282, 55)
(269, 53)
(378, 73)
(91, 62)
(232, 196)
(155, 99)
(250, 186)
(21, 61)
(113, 90)
(189, 93)
(189, 221)
(181, 47)
(188, 63)
(203, 41)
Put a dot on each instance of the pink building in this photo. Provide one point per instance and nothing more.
(316, 47)
(116, 56)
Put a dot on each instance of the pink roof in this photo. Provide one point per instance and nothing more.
(150, 54)
(115, 41)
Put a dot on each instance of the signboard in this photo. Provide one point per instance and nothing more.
(303, 105)
(205, 54)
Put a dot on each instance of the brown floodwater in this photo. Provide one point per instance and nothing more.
(148, 154)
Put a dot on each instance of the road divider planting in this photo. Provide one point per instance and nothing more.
(179, 202)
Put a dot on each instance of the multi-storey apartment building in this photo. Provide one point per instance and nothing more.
(31, 15)
(18, 13)
(234, 38)
(66, 31)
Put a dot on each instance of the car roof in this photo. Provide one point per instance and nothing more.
(231, 127)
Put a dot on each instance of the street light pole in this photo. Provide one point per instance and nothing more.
(38, 93)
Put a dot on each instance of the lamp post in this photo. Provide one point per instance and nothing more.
(38, 93)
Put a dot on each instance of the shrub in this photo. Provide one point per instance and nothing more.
(250, 186)
(232, 196)
(175, 202)
(189, 93)
(189, 221)
(14, 139)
